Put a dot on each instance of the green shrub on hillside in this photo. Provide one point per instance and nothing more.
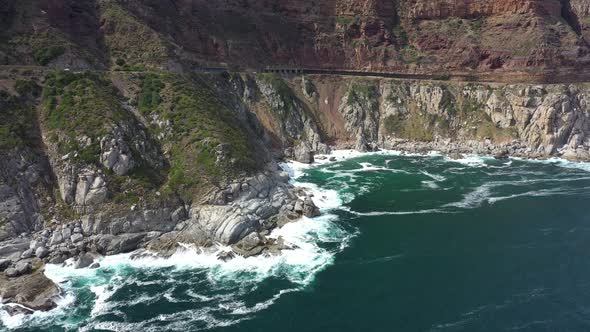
(77, 105)
(149, 97)
(80, 104)
(45, 55)
(200, 125)
(16, 121)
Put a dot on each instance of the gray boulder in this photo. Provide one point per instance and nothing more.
(22, 267)
(27, 254)
(310, 210)
(41, 252)
(76, 237)
(56, 238)
(250, 245)
(11, 272)
(85, 260)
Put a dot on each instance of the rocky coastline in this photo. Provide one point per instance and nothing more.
(456, 149)
(241, 215)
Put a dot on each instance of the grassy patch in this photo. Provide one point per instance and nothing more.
(78, 105)
(479, 123)
(400, 34)
(410, 54)
(133, 45)
(345, 20)
(417, 126)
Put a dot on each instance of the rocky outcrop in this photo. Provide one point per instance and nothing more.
(254, 205)
(360, 110)
(298, 130)
(544, 120)
(440, 9)
(474, 38)
(24, 178)
(84, 185)
(28, 289)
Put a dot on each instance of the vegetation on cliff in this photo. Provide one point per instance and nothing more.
(17, 120)
(206, 140)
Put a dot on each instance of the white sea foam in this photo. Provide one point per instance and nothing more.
(430, 184)
(471, 160)
(392, 213)
(341, 155)
(102, 293)
(298, 265)
(438, 178)
(324, 199)
(474, 198)
(536, 193)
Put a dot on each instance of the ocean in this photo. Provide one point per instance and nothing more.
(404, 243)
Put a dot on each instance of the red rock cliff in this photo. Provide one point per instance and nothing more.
(511, 40)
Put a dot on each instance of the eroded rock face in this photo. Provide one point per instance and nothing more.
(440, 9)
(83, 185)
(504, 40)
(91, 189)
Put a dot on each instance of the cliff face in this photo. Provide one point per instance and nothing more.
(526, 120)
(506, 40)
(440, 9)
(497, 40)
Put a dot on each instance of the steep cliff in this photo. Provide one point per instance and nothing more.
(505, 40)
(530, 120)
